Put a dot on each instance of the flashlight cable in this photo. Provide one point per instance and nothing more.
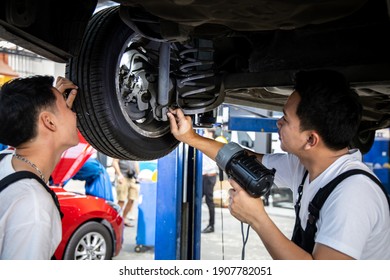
(221, 206)
(244, 239)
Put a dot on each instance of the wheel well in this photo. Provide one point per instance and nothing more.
(103, 222)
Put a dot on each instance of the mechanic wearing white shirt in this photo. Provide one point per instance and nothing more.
(37, 120)
(321, 117)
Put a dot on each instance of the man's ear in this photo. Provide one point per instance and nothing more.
(312, 139)
(47, 119)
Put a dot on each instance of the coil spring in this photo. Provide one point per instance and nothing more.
(196, 88)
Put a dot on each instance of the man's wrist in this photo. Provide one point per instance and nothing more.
(194, 140)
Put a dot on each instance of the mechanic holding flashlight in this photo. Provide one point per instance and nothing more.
(321, 116)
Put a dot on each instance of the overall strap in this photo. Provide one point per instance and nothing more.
(297, 205)
(298, 236)
(3, 155)
(6, 181)
(305, 238)
(323, 193)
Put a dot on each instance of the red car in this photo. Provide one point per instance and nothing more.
(92, 227)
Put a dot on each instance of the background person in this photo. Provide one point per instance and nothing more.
(209, 178)
(3, 147)
(97, 180)
(127, 188)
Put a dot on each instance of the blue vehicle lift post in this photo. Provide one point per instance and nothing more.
(179, 200)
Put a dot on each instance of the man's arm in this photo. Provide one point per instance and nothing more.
(251, 211)
(115, 165)
(181, 128)
(136, 166)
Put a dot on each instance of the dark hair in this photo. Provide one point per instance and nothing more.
(21, 101)
(329, 106)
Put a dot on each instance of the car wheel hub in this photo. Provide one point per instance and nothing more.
(91, 247)
(136, 92)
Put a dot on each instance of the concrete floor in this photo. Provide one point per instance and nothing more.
(225, 243)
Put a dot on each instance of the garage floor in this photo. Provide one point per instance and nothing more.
(211, 243)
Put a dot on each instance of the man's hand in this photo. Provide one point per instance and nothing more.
(181, 125)
(242, 206)
(181, 128)
(63, 85)
(121, 178)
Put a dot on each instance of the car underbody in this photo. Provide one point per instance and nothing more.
(134, 59)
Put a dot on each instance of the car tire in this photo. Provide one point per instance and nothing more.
(363, 141)
(92, 241)
(101, 118)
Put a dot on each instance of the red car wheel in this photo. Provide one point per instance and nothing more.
(92, 241)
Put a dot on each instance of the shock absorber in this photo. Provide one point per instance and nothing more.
(197, 86)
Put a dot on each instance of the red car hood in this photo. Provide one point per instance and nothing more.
(63, 194)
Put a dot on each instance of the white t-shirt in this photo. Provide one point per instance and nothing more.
(208, 165)
(30, 224)
(355, 219)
